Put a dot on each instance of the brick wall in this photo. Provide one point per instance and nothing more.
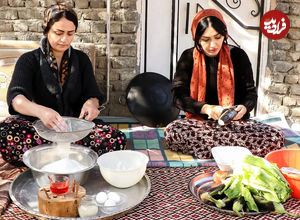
(22, 20)
(283, 70)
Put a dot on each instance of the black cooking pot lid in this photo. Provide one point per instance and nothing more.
(150, 101)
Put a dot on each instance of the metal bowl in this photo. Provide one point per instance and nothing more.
(38, 158)
(77, 129)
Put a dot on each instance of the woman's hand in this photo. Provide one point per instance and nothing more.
(213, 111)
(89, 110)
(242, 110)
(51, 119)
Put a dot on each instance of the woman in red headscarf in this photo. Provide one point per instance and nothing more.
(211, 77)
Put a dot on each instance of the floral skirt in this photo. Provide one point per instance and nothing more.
(197, 138)
(17, 135)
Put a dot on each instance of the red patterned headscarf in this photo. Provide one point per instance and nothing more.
(225, 75)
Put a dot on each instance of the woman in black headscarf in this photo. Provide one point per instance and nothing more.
(52, 81)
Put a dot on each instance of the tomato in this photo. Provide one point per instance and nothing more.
(219, 176)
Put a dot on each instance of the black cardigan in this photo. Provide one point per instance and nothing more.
(33, 78)
(245, 91)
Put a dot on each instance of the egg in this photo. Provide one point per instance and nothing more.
(87, 210)
(109, 202)
(101, 197)
(114, 196)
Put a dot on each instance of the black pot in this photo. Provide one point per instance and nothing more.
(150, 101)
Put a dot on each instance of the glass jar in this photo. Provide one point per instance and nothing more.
(88, 207)
(59, 184)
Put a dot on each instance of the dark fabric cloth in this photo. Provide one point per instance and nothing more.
(245, 91)
(211, 84)
(34, 79)
(17, 135)
(197, 138)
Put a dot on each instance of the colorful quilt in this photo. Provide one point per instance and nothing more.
(151, 142)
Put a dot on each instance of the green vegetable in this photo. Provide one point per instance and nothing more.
(216, 190)
(255, 185)
(249, 199)
(235, 189)
(272, 206)
(238, 206)
(206, 197)
(265, 177)
(275, 190)
(265, 165)
(227, 183)
(227, 200)
(280, 209)
(263, 204)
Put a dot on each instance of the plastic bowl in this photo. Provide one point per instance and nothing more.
(123, 169)
(288, 158)
(227, 157)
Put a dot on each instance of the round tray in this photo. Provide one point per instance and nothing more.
(203, 183)
(23, 192)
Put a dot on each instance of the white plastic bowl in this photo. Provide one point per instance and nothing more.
(123, 169)
(227, 157)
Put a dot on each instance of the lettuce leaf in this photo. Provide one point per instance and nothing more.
(264, 177)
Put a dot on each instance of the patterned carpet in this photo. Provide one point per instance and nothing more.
(170, 198)
(151, 142)
(170, 173)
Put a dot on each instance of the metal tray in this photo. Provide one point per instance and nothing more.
(23, 192)
(203, 183)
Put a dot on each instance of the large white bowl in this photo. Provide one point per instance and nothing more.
(124, 168)
(227, 157)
